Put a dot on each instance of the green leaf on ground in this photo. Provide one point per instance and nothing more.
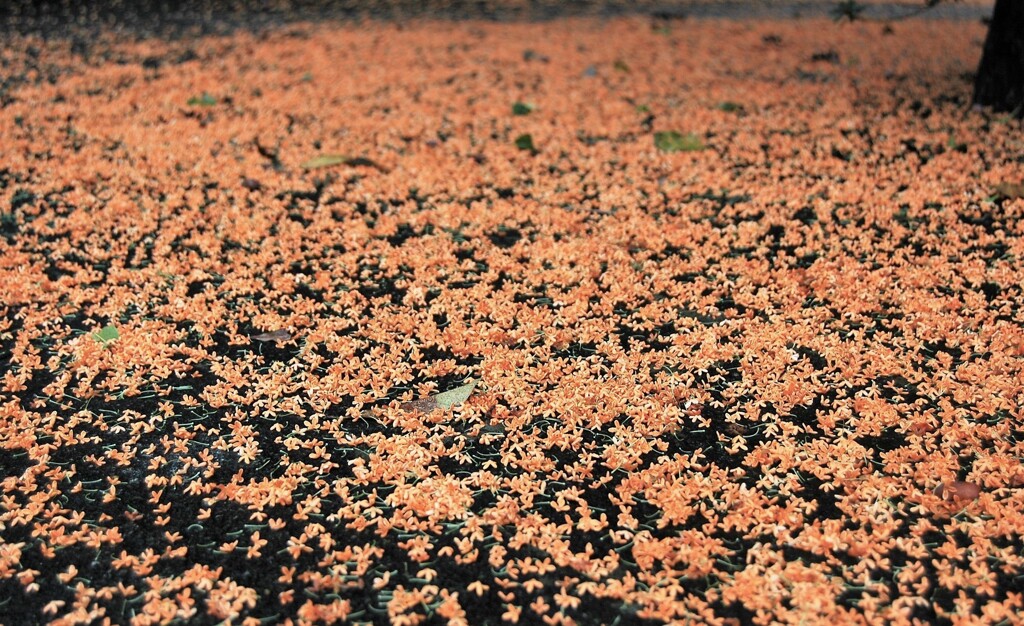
(205, 100)
(324, 160)
(621, 66)
(525, 142)
(106, 334)
(522, 108)
(445, 400)
(460, 394)
(729, 106)
(327, 160)
(955, 145)
(671, 141)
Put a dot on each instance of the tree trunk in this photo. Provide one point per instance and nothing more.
(1000, 80)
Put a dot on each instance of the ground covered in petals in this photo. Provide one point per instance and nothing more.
(585, 321)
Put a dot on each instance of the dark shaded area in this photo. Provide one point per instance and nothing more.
(1000, 80)
(175, 19)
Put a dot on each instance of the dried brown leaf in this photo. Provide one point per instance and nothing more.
(423, 405)
(273, 335)
(735, 429)
(365, 162)
(958, 489)
(1010, 191)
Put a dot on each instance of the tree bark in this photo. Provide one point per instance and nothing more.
(1000, 80)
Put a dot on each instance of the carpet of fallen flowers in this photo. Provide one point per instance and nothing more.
(582, 321)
